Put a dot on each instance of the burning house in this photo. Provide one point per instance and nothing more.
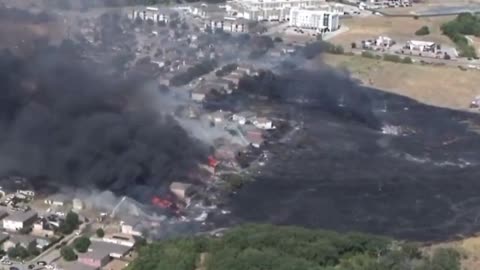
(183, 191)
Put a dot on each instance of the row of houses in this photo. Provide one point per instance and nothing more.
(223, 85)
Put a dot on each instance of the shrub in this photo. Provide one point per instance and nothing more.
(392, 58)
(68, 254)
(81, 244)
(100, 233)
(368, 55)
(407, 60)
(423, 31)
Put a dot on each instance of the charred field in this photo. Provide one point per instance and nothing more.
(406, 170)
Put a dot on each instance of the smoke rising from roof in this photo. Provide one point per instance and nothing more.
(63, 120)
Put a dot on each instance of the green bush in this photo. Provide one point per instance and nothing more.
(68, 254)
(100, 233)
(392, 58)
(368, 55)
(407, 60)
(81, 244)
(423, 31)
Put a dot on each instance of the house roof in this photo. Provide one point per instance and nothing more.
(101, 248)
(23, 239)
(96, 254)
(179, 186)
(21, 216)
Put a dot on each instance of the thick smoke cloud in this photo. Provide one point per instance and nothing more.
(322, 88)
(64, 121)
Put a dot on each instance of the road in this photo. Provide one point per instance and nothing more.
(439, 61)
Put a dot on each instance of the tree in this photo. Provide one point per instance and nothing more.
(68, 254)
(32, 249)
(17, 252)
(71, 223)
(100, 233)
(81, 244)
(423, 31)
(278, 39)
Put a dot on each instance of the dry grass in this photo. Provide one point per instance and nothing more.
(441, 86)
(469, 248)
(362, 28)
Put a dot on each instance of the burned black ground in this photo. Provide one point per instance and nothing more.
(344, 175)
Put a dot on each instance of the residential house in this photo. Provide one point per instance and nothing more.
(77, 204)
(42, 243)
(131, 226)
(219, 116)
(57, 200)
(200, 93)
(46, 227)
(247, 70)
(234, 78)
(119, 239)
(243, 117)
(19, 220)
(95, 259)
(263, 123)
(421, 46)
(23, 240)
(254, 136)
(228, 151)
(181, 190)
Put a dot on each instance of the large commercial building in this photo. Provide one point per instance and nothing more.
(271, 10)
(321, 20)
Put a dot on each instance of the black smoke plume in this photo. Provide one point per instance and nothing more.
(63, 121)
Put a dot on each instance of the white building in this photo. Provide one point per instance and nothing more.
(77, 204)
(388, 3)
(422, 46)
(131, 228)
(263, 123)
(321, 20)
(19, 220)
(57, 200)
(270, 10)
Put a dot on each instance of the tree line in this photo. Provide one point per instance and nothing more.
(259, 247)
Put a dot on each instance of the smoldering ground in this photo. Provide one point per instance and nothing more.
(341, 172)
(64, 122)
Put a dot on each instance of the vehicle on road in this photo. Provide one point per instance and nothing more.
(41, 263)
(31, 266)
